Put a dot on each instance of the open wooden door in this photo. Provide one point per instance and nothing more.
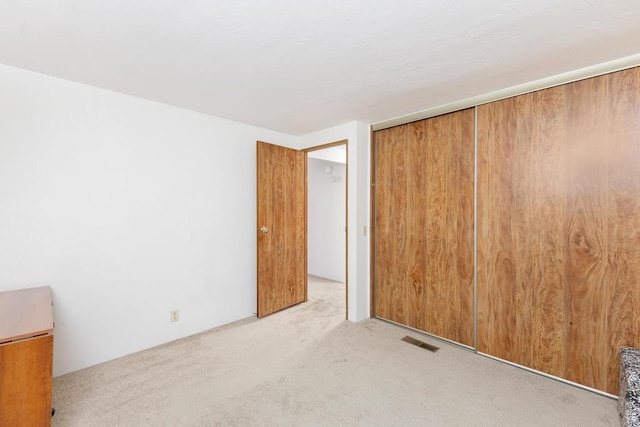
(281, 228)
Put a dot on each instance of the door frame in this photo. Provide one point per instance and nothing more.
(344, 142)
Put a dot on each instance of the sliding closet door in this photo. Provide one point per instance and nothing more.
(423, 250)
(559, 228)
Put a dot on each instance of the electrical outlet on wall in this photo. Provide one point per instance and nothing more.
(174, 315)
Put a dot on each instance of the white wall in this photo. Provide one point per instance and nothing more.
(127, 209)
(326, 219)
(358, 206)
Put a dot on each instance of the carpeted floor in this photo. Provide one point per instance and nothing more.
(307, 366)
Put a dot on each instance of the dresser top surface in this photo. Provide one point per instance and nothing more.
(25, 313)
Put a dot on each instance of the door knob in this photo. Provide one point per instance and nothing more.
(264, 229)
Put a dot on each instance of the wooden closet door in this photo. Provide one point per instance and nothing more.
(423, 248)
(559, 228)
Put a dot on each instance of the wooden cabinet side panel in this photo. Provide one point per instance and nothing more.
(26, 382)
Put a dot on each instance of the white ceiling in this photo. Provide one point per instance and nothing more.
(302, 66)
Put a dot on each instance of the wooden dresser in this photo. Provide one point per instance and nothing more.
(26, 357)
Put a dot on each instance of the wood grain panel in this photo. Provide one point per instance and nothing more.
(390, 224)
(559, 227)
(424, 225)
(281, 184)
(449, 213)
(26, 382)
(499, 318)
(26, 357)
(416, 229)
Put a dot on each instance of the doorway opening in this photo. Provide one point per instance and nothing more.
(327, 222)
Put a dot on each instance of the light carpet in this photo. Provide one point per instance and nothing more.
(307, 366)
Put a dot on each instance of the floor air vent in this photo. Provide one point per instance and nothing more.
(421, 344)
